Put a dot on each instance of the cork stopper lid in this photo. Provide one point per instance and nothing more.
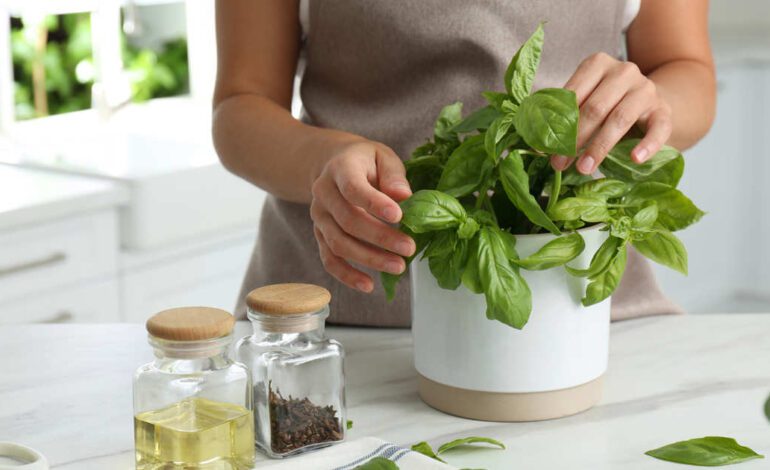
(288, 299)
(190, 324)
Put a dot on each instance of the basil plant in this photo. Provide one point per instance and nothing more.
(485, 178)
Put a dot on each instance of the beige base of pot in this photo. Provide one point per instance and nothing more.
(493, 406)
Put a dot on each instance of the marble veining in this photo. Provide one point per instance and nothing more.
(669, 378)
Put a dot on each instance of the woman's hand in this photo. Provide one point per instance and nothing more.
(613, 96)
(354, 196)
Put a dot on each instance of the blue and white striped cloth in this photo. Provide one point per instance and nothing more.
(349, 455)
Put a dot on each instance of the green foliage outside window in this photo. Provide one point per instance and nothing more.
(53, 66)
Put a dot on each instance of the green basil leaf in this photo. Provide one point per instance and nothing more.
(621, 227)
(666, 166)
(605, 283)
(709, 451)
(490, 144)
(521, 71)
(664, 248)
(388, 280)
(426, 149)
(554, 253)
(645, 218)
(573, 224)
(588, 209)
(516, 186)
(600, 260)
(495, 99)
(767, 408)
(506, 121)
(468, 229)
(469, 440)
(447, 118)
(423, 172)
(483, 217)
(466, 168)
(508, 297)
(378, 463)
(425, 449)
(571, 177)
(448, 268)
(430, 210)
(509, 107)
(478, 120)
(675, 210)
(606, 188)
(443, 243)
(548, 120)
(349, 424)
(470, 277)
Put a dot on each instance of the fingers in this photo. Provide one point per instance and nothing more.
(604, 98)
(357, 190)
(391, 175)
(360, 225)
(588, 75)
(616, 125)
(348, 248)
(659, 129)
(340, 269)
(561, 162)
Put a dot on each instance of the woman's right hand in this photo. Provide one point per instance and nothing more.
(355, 196)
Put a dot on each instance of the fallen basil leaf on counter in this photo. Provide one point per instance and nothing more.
(425, 449)
(709, 451)
(378, 463)
(469, 440)
(349, 424)
(767, 408)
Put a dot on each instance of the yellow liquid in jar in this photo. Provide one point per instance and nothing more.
(195, 433)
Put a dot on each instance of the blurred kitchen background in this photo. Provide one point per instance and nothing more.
(113, 204)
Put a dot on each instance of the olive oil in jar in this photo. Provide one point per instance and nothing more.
(195, 433)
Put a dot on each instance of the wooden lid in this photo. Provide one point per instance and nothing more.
(288, 299)
(190, 323)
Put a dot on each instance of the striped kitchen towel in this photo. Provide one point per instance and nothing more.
(349, 455)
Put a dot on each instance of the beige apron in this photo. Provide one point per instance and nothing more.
(383, 69)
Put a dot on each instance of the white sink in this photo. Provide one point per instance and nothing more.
(162, 152)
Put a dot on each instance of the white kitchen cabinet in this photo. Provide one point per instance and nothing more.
(95, 301)
(207, 273)
(58, 247)
(65, 251)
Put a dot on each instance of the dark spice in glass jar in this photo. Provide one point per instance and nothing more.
(296, 423)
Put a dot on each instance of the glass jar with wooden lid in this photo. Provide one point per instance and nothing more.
(299, 391)
(193, 404)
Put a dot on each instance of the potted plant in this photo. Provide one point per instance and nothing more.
(490, 214)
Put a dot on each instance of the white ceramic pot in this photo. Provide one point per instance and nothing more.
(483, 369)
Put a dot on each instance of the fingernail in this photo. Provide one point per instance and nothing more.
(390, 214)
(393, 267)
(404, 248)
(641, 154)
(363, 286)
(560, 162)
(586, 165)
(400, 185)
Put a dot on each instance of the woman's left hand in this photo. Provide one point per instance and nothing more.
(613, 96)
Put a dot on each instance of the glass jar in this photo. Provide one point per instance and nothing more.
(299, 391)
(193, 404)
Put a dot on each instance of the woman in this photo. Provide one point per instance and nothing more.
(378, 72)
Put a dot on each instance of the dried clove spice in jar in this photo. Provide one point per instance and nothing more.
(296, 423)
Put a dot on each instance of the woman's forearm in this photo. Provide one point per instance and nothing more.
(688, 86)
(260, 141)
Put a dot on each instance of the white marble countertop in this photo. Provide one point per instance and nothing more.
(66, 391)
(30, 196)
